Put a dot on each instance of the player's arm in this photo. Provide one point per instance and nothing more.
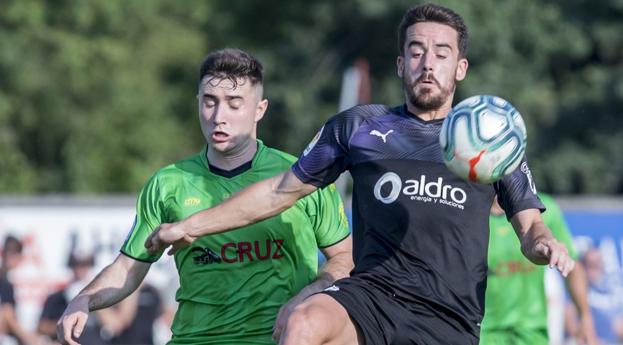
(339, 264)
(537, 242)
(111, 285)
(259, 201)
(577, 286)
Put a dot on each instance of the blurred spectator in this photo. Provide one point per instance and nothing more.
(147, 308)
(605, 297)
(80, 265)
(9, 325)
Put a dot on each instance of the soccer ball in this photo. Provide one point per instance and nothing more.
(483, 139)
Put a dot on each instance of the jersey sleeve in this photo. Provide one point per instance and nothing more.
(326, 212)
(327, 155)
(517, 191)
(150, 212)
(325, 158)
(555, 220)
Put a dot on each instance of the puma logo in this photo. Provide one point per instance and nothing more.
(381, 135)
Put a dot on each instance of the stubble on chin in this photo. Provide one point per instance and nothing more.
(427, 99)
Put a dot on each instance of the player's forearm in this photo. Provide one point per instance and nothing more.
(117, 281)
(536, 233)
(336, 267)
(259, 201)
(577, 286)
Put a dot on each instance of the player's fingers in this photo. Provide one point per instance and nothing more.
(568, 267)
(148, 243)
(175, 247)
(554, 255)
(79, 327)
(66, 330)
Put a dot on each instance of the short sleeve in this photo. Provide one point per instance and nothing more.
(327, 155)
(517, 191)
(328, 218)
(325, 158)
(150, 212)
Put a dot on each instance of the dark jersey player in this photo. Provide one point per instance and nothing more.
(420, 233)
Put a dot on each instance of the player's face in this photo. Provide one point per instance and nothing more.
(430, 65)
(229, 113)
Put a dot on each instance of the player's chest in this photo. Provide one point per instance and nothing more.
(394, 141)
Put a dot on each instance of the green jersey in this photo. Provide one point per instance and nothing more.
(515, 296)
(233, 284)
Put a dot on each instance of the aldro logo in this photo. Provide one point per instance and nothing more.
(233, 252)
(418, 190)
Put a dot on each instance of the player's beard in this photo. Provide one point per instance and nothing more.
(426, 99)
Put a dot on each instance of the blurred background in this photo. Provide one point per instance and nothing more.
(96, 96)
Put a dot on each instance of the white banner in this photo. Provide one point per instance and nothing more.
(47, 229)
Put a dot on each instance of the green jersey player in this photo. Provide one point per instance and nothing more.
(238, 287)
(515, 301)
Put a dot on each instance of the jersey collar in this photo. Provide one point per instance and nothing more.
(241, 169)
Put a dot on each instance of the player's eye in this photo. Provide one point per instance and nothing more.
(235, 103)
(209, 102)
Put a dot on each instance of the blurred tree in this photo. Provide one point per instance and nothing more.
(94, 96)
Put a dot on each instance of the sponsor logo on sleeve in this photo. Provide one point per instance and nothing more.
(313, 142)
(526, 170)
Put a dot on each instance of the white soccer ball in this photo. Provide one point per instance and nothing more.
(483, 139)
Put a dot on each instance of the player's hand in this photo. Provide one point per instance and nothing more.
(282, 318)
(556, 254)
(71, 324)
(165, 235)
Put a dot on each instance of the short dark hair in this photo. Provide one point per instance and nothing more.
(437, 14)
(12, 242)
(232, 64)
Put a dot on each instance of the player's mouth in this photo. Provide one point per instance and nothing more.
(219, 136)
(427, 79)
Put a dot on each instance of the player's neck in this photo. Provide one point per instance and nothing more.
(428, 115)
(233, 159)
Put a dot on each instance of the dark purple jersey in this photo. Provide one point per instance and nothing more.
(419, 231)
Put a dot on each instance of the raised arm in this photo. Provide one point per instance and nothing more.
(259, 201)
(117, 281)
(538, 244)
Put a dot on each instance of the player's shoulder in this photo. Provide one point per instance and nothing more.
(277, 156)
(363, 112)
(191, 165)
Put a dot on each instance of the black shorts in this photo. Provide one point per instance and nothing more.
(384, 319)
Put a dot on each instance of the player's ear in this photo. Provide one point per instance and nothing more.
(400, 66)
(461, 69)
(261, 109)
